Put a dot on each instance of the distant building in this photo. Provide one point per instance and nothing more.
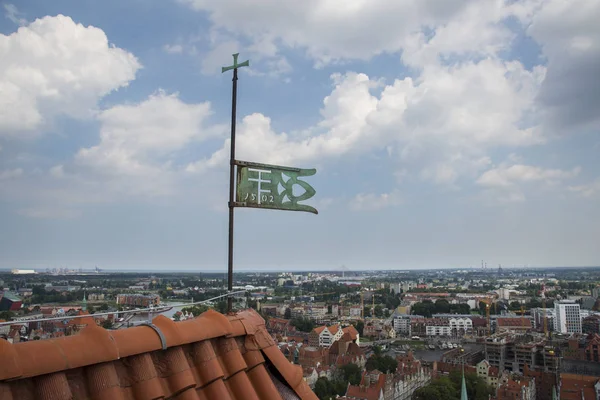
(22, 271)
(96, 296)
(437, 327)
(488, 373)
(521, 324)
(567, 317)
(10, 302)
(61, 288)
(520, 388)
(402, 325)
(25, 292)
(538, 315)
(138, 300)
(591, 324)
(324, 336)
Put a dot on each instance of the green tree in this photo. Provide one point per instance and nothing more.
(449, 388)
(7, 315)
(378, 311)
(303, 324)
(326, 390)
(442, 306)
(195, 310)
(360, 326)
(515, 305)
(351, 373)
(385, 364)
(221, 307)
(425, 308)
(107, 324)
(288, 313)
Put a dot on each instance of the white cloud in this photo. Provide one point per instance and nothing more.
(360, 30)
(13, 14)
(442, 123)
(55, 67)
(507, 176)
(139, 143)
(569, 34)
(509, 183)
(588, 190)
(371, 201)
(173, 48)
(11, 173)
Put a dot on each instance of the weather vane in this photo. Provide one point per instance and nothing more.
(260, 185)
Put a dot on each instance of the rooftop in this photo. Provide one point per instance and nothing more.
(209, 357)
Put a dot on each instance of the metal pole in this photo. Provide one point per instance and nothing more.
(231, 191)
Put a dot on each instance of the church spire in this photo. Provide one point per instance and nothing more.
(463, 389)
(84, 302)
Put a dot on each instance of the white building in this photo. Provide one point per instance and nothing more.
(402, 325)
(567, 318)
(355, 311)
(437, 330)
(461, 325)
(504, 293)
(396, 287)
(406, 286)
(22, 271)
(325, 336)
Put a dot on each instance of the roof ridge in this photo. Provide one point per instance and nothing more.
(77, 351)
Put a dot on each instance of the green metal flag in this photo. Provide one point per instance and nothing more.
(272, 187)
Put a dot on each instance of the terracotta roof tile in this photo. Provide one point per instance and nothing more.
(333, 329)
(319, 329)
(351, 331)
(513, 322)
(209, 357)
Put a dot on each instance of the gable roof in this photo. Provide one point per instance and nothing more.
(370, 392)
(319, 329)
(212, 356)
(351, 331)
(333, 329)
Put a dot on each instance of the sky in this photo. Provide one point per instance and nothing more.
(443, 132)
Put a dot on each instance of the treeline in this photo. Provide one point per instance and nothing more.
(449, 388)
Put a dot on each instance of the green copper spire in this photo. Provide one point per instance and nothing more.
(84, 302)
(463, 389)
(554, 396)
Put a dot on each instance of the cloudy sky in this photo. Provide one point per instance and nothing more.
(443, 132)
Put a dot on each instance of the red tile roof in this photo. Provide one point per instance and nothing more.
(514, 322)
(209, 357)
(577, 387)
(351, 331)
(367, 392)
(319, 329)
(333, 329)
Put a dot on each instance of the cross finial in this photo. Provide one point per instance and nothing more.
(235, 64)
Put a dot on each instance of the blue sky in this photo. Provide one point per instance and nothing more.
(443, 133)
